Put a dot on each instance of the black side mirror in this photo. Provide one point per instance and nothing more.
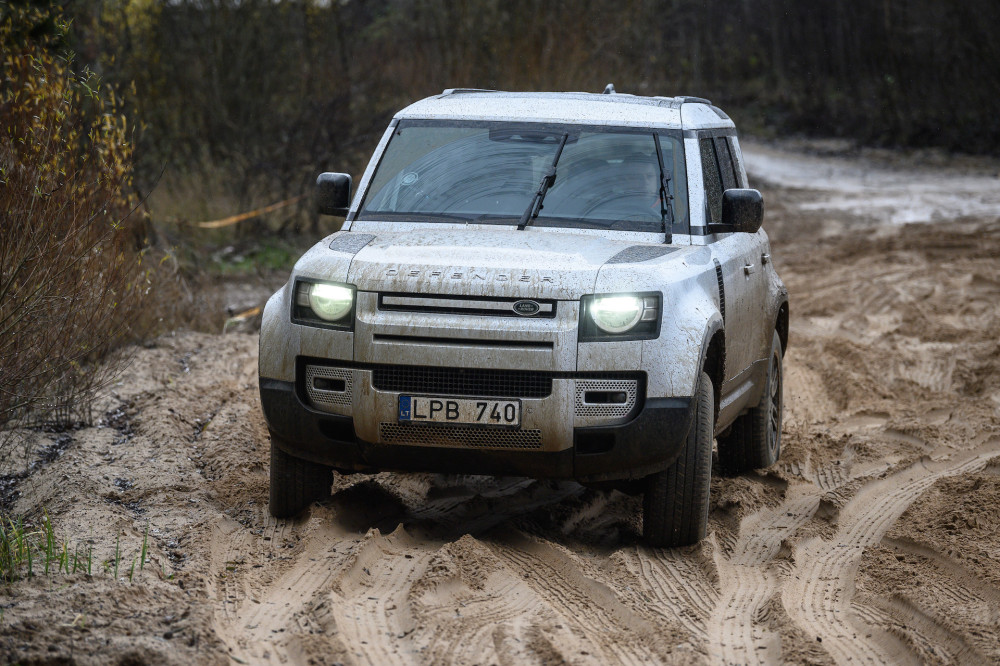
(743, 210)
(333, 193)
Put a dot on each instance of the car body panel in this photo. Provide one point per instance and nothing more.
(437, 297)
(569, 109)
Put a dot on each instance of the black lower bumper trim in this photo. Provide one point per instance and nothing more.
(648, 443)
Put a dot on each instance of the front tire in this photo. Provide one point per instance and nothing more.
(675, 505)
(295, 483)
(754, 441)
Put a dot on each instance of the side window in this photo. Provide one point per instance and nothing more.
(673, 156)
(737, 159)
(729, 179)
(713, 183)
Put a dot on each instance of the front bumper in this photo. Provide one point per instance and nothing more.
(648, 442)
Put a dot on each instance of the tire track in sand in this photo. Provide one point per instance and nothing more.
(677, 585)
(733, 633)
(611, 633)
(367, 602)
(920, 636)
(819, 593)
(961, 582)
(484, 621)
(266, 625)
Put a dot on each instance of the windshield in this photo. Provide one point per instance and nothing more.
(490, 173)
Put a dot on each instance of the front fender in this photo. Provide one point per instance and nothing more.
(277, 345)
(674, 361)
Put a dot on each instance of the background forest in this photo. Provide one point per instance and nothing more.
(251, 98)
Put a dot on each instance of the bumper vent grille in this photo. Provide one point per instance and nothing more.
(459, 436)
(462, 381)
(615, 399)
(329, 388)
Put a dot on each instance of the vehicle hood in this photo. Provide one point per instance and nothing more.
(483, 263)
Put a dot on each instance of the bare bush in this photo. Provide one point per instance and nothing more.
(71, 275)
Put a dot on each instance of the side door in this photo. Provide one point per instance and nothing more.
(738, 255)
(758, 252)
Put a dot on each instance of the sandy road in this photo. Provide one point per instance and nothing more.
(876, 537)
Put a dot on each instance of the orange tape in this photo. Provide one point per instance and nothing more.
(246, 314)
(233, 219)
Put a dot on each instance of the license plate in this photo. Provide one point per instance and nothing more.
(479, 411)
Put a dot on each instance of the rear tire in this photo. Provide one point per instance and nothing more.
(295, 483)
(754, 441)
(675, 505)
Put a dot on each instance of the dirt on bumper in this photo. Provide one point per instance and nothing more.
(648, 443)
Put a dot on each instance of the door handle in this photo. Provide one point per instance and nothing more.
(765, 258)
(748, 269)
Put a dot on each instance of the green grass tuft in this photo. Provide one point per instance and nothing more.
(145, 537)
(21, 545)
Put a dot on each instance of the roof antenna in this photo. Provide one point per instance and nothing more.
(609, 89)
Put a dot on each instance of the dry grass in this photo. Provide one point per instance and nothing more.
(72, 278)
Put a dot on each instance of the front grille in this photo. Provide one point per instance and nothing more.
(469, 305)
(462, 381)
(459, 436)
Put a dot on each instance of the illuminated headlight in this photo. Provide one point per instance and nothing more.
(616, 314)
(621, 316)
(324, 303)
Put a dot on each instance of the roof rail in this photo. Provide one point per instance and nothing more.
(687, 99)
(454, 91)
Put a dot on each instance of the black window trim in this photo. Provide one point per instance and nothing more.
(710, 138)
(698, 135)
(724, 140)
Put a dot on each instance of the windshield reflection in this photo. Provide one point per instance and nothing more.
(490, 172)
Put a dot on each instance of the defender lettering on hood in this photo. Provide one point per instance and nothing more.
(469, 275)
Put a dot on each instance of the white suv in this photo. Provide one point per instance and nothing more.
(554, 285)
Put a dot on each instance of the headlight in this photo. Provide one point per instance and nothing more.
(330, 302)
(324, 303)
(620, 316)
(616, 314)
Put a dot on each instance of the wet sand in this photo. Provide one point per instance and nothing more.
(875, 538)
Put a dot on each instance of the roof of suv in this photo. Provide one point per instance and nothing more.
(569, 107)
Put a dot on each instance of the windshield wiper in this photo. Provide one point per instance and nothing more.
(548, 179)
(666, 199)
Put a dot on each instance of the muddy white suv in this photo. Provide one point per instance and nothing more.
(560, 285)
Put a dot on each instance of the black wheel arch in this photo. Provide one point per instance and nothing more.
(781, 320)
(713, 358)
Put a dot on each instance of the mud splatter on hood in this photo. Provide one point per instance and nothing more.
(484, 263)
